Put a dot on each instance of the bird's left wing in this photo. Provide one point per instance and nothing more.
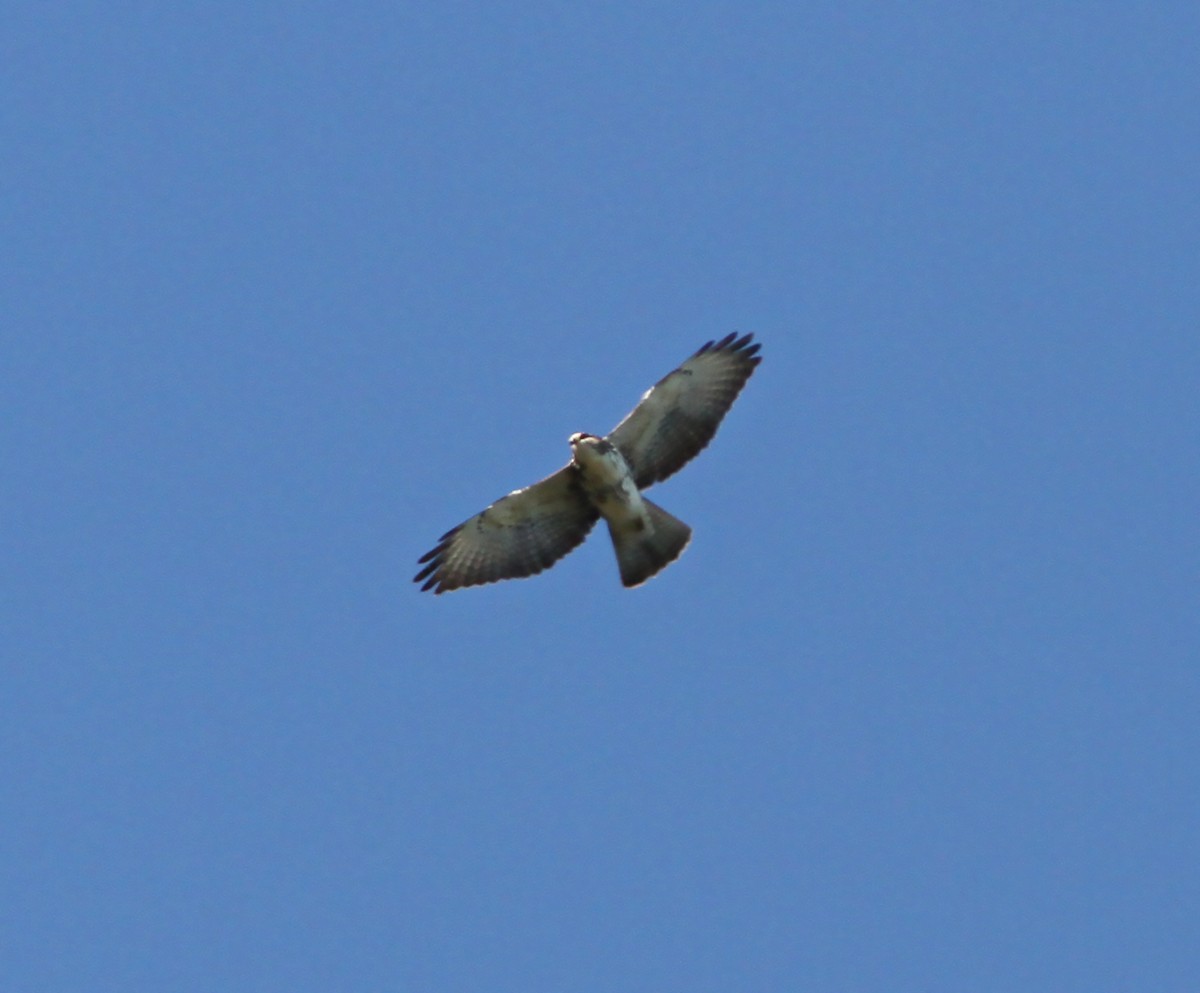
(519, 535)
(679, 415)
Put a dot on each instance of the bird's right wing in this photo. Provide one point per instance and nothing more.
(519, 535)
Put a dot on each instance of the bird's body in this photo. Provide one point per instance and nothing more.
(530, 529)
(606, 479)
(645, 537)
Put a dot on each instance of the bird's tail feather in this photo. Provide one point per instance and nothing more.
(644, 551)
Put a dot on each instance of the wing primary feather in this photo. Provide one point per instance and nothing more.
(730, 343)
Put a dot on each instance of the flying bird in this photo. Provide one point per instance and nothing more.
(529, 530)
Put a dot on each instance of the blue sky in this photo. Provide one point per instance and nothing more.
(289, 290)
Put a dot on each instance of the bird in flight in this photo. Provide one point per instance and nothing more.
(529, 530)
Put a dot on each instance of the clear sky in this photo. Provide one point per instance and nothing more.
(290, 289)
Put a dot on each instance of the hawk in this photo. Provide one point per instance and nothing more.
(529, 530)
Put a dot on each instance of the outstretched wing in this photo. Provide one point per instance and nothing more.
(518, 535)
(679, 415)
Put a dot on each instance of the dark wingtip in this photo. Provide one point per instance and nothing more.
(434, 559)
(746, 350)
(732, 343)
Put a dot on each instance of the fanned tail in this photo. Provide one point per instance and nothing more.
(644, 551)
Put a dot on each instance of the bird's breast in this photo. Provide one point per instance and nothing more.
(605, 476)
